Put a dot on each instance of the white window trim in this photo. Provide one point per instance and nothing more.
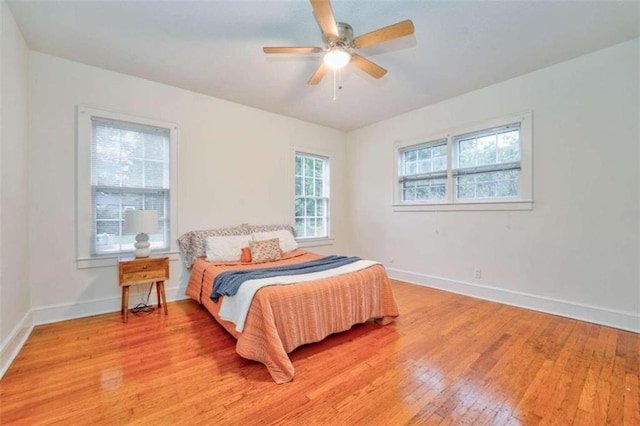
(311, 242)
(525, 185)
(84, 256)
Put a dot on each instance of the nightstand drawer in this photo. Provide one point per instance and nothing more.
(141, 270)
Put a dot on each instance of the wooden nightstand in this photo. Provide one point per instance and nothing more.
(143, 270)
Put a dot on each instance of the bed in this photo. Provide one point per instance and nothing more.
(281, 318)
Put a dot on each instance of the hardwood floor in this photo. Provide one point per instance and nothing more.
(448, 359)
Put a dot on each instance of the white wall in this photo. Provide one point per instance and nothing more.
(233, 167)
(15, 303)
(576, 253)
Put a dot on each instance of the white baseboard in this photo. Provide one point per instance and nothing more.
(595, 314)
(11, 346)
(86, 308)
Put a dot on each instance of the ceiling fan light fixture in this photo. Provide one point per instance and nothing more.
(337, 58)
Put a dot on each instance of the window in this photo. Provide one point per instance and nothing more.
(311, 201)
(487, 163)
(484, 167)
(124, 163)
(424, 172)
(129, 171)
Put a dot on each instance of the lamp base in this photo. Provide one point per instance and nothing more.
(142, 245)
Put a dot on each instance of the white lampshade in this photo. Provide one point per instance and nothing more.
(337, 58)
(143, 223)
(140, 221)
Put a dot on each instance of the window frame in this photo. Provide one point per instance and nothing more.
(524, 199)
(313, 241)
(85, 257)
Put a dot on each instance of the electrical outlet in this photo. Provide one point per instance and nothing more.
(477, 273)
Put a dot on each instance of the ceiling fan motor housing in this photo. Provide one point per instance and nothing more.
(345, 36)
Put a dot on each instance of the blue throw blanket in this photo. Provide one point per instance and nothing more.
(228, 283)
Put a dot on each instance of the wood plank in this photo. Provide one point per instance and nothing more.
(448, 359)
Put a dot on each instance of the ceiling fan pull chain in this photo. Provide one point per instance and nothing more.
(337, 82)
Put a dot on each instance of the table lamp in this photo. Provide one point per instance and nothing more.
(143, 223)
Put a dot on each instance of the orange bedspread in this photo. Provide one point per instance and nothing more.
(283, 317)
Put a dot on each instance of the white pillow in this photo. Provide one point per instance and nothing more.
(287, 242)
(226, 249)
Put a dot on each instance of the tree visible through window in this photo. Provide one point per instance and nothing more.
(311, 196)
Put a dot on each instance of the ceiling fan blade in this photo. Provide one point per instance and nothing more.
(400, 29)
(291, 49)
(375, 71)
(320, 72)
(324, 16)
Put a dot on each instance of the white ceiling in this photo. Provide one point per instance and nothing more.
(215, 47)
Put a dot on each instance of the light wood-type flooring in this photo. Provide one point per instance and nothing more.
(448, 359)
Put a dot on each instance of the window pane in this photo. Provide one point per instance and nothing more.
(486, 150)
(107, 236)
(107, 205)
(308, 186)
(321, 227)
(439, 164)
(488, 185)
(132, 201)
(318, 187)
(301, 227)
(424, 160)
(153, 174)
(425, 190)
(424, 166)
(300, 207)
(132, 173)
(509, 146)
(409, 194)
(299, 185)
(424, 154)
(318, 168)
(410, 169)
(308, 167)
(155, 201)
(155, 148)
(311, 207)
(298, 165)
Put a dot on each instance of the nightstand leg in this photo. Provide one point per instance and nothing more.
(164, 297)
(125, 301)
(158, 294)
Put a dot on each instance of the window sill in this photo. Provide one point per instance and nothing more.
(112, 260)
(315, 242)
(457, 207)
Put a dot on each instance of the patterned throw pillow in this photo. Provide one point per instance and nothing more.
(265, 250)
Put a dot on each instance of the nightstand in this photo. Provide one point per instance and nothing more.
(143, 270)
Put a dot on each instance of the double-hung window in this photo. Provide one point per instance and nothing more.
(488, 166)
(311, 201)
(424, 171)
(124, 163)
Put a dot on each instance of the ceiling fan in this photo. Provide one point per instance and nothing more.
(340, 43)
